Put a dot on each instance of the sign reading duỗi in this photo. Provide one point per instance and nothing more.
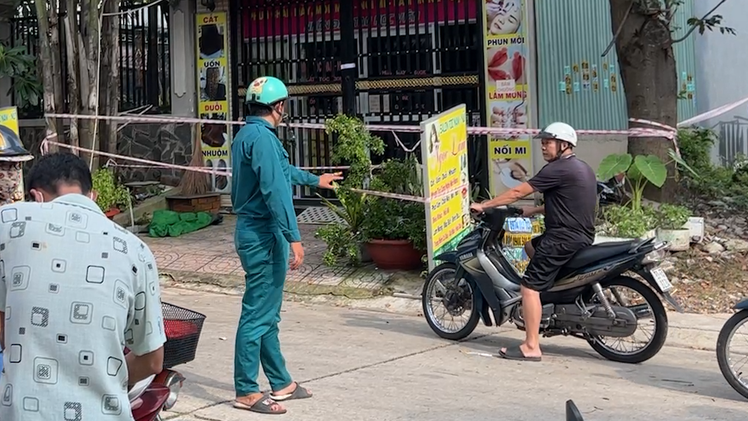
(445, 179)
(213, 104)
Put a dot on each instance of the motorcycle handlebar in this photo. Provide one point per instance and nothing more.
(506, 212)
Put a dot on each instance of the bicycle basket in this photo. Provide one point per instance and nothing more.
(182, 328)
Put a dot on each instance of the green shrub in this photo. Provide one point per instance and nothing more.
(110, 194)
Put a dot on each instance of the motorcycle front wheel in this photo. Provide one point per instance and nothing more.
(726, 335)
(453, 299)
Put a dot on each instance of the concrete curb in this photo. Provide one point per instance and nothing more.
(235, 284)
(688, 331)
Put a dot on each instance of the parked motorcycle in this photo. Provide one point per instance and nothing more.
(478, 280)
(612, 191)
(157, 393)
(724, 340)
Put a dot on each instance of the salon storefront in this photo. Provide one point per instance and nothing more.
(402, 61)
(394, 62)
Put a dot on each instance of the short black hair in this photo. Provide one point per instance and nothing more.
(49, 171)
(259, 110)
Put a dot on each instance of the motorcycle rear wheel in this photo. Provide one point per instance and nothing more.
(723, 347)
(661, 324)
(428, 313)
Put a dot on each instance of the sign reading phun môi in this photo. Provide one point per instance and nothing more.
(445, 179)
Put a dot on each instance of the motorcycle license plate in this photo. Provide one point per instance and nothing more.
(662, 281)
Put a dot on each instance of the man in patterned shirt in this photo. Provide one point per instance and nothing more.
(75, 289)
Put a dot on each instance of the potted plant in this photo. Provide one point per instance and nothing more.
(395, 230)
(110, 195)
(354, 146)
(391, 228)
(673, 226)
(625, 223)
(345, 241)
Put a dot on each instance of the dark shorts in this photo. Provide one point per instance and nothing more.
(551, 254)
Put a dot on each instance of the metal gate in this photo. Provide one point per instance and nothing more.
(144, 64)
(414, 58)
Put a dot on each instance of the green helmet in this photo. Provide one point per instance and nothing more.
(266, 90)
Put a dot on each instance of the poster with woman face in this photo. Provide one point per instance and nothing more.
(508, 105)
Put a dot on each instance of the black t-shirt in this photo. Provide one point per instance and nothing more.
(569, 187)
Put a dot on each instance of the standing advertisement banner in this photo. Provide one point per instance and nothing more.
(12, 157)
(9, 119)
(445, 180)
(507, 92)
(213, 102)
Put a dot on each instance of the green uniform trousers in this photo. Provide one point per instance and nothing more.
(264, 256)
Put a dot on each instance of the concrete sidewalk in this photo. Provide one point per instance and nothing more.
(207, 257)
(372, 366)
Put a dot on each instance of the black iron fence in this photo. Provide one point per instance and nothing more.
(144, 62)
(144, 56)
(412, 59)
(733, 140)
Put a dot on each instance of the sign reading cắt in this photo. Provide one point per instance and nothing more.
(445, 180)
(213, 103)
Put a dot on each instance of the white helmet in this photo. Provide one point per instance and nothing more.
(559, 131)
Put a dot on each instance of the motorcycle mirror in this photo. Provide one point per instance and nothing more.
(572, 412)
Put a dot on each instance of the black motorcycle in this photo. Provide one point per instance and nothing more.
(733, 375)
(612, 191)
(477, 281)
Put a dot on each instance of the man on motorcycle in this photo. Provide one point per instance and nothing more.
(569, 187)
(75, 290)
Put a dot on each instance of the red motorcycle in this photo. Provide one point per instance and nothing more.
(157, 393)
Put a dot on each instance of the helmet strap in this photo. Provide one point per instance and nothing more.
(560, 151)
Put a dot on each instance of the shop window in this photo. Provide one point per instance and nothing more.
(327, 105)
(319, 62)
(459, 46)
(400, 55)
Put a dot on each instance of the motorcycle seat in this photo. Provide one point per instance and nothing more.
(598, 252)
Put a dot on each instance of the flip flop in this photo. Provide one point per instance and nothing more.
(298, 393)
(263, 406)
(516, 354)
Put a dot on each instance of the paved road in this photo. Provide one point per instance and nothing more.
(370, 366)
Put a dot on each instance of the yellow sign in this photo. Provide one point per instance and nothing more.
(445, 178)
(508, 104)
(9, 119)
(213, 86)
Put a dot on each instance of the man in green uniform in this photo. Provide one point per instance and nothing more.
(266, 224)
